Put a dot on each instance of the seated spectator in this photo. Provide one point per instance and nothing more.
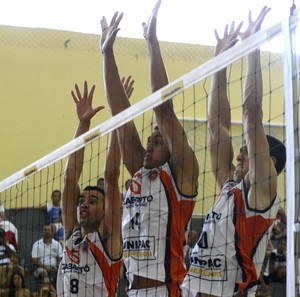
(263, 287)
(190, 242)
(46, 289)
(276, 269)
(54, 216)
(46, 255)
(6, 249)
(17, 286)
(8, 271)
(15, 264)
(6, 252)
(10, 229)
(279, 229)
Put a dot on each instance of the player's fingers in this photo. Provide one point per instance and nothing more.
(103, 24)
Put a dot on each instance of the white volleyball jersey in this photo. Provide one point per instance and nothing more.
(230, 251)
(86, 269)
(155, 218)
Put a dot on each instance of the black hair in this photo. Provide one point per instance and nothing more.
(55, 191)
(278, 151)
(2, 233)
(12, 287)
(100, 179)
(94, 188)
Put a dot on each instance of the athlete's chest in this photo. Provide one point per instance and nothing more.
(148, 189)
(79, 259)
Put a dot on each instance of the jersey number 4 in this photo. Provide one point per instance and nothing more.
(202, 242)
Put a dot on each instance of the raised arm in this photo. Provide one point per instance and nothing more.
(74, 165)
(183, 160)
(131, 147)
(219, 116)
(113, 205)
(113, 213)
(262, 176)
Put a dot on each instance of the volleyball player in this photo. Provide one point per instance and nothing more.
(229, 254)
(159, 203)
(92, 255)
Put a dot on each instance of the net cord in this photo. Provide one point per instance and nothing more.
(148, 103)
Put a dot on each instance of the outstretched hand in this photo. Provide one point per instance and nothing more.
(229, 38)
(254, 26)
(149, 29)
(128, 85)
(109, 33)
(84, 108)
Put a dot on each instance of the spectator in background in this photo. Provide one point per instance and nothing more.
(46, 289)
(279, 228)
(54, 216)
(17, 286)
(190, 242)
(10, 229)
(15, 261)
(127, 185)
(6, 249)
(6, 252)
(100, 182)
(46, 255)
(276, 268)
(15, 266)
(54, 209)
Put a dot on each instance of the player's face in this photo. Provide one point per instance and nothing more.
(90, 209)
(157, 152)
(242, 166)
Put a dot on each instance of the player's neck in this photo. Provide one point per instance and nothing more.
(93, 228)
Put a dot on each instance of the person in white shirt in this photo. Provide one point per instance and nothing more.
(46, 255)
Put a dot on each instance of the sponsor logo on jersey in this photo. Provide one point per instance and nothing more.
(208, 267)
(71, 267)
(213, 217)
(137, 200)
(139, 248)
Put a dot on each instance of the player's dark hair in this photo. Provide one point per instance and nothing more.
(278, 151)
(94, 188)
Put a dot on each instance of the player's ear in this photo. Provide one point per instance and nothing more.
(274, 160)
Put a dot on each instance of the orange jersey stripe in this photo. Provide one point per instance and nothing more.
(110, 272)
(180, 214)
(249, 231)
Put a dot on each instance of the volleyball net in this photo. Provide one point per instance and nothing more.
(32, 187)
